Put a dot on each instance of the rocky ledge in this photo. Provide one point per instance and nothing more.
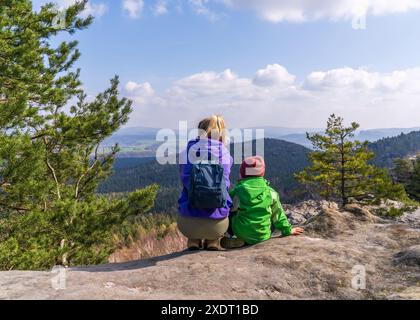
(345, 254)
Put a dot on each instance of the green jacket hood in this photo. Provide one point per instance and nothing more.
(252, 190)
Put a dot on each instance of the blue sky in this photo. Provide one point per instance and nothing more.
(283, 63)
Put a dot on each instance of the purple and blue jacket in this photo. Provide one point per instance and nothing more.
(203, 149)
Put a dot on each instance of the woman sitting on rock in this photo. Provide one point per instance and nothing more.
(204, 203)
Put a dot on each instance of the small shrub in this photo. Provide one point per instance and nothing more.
(394, 211)
(72, 233)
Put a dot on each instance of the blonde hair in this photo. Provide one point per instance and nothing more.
(213, 127)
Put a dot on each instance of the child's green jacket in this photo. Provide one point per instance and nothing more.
(259, 208)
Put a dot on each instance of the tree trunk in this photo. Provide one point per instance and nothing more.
(344, 199)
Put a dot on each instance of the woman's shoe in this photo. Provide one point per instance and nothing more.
(212, 245)
(194, 244)
(231, 242)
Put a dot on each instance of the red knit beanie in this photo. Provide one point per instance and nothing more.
(253, 167)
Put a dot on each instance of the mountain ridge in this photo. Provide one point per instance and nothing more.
(135, 136)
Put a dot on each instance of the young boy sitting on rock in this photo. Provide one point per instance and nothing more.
(257, 209)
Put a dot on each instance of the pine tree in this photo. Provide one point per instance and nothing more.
(50, 137)
(407, 172)
(413, 185)
(402, 170)
(340, 168)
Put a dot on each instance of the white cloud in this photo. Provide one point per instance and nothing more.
(209, 83)
(92, 8)
(160, 8)
(273, 74)
(146, 87)
(303, 10)
(201, 7)
(140, 92)
(96, 10)
(134, 8)
(271, 10)
(362, 79)
(273, 96)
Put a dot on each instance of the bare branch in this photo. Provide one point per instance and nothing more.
(52, 170)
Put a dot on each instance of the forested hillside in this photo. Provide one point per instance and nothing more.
(388, 149)
(283, 159)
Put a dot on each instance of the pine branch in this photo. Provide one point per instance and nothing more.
(52, 170)
(7, 206)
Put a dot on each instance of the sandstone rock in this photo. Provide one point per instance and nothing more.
(409, 256)
(317, 265)
(329, 223)
(296, 218)
(300, 213)
(411, 293)
(361, 213)
(411, 218)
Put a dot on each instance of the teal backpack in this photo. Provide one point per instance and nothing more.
(207, 188)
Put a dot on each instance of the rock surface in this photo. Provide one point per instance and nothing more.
(306, 210)
(318, 265)
(413, 219)
(409, 256)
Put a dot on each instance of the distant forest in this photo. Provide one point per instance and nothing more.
(389, 149)
(283, 159)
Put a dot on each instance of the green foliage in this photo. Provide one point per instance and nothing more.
(413, 187)
(388, 149)
(403, 170)
(50, 160)
(392, 211)
(136, 227)
(407, 172)
(70, 233)
(340, 170)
